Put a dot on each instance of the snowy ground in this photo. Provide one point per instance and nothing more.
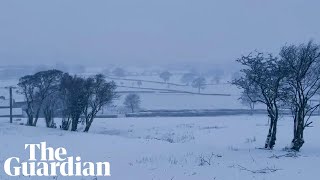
(174, 148)
(163, 99)
(199, 148)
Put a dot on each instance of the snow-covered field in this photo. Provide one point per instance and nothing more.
(161, 99)
(206, 148)
(162, 148)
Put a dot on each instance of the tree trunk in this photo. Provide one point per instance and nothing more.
(88, 125)
(48, 115)
(251, 108)
(90, 119)
(74, 125)
(48, 122)
(36, 118)
(30, 118)
(298, 140)
(65, 124)
(272, 133)
(30, 121)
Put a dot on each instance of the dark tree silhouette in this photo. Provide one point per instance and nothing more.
(187, 78)
(302, 84)
(261, 82)
(100, 93)
(119, 72)
(36, 88)
(199, 83)
(165, 76)
(132, 102)
(249, 101)
(74, 95)
(139, 83)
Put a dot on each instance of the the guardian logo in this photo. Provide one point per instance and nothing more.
(53, 162)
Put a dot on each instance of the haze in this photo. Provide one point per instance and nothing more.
(150, 32)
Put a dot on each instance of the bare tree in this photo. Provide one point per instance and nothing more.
(165, 76)
(74, 96)
(36, 88)
(199, 83)
(216, 74)
(101, 93)
(261, 82)
(249, 101)
(139, 83)
(302, 84)
(132, 102)
(27, 88)
(119, 72)
(50, 107)
(187, 78)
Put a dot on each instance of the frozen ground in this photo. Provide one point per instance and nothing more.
(206, 148)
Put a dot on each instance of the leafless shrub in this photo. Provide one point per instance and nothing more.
(207, 160)
(173, 160)
(251, 140)
(145, 160)
(259, 171)
(290, 154)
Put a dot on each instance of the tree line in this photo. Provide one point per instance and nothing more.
(288, 81)
(53, 92)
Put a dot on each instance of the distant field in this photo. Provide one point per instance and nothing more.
(156, 95)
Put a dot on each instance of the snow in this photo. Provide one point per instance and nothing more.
(6, 111)
(165, 148)
(156, 101)
(172, 148)
(4, 103)
(164, 99)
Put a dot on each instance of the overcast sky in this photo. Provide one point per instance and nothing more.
(150, 32)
